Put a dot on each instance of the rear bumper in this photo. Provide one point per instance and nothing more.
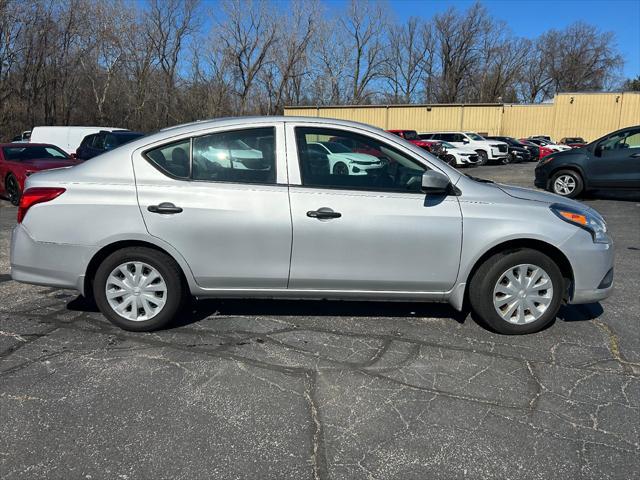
(49, 264)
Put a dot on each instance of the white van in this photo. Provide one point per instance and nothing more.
(66, 138)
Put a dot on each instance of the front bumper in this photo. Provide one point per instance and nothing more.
(50, 264)
(592, 265)
(541, 179)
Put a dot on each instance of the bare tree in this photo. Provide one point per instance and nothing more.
(409, 58)
(247, 34)
(365, 24)
(459, 40)
(170, 23)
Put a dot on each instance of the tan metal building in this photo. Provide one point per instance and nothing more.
(586, 115)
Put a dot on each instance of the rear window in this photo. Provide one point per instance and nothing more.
(239, 156)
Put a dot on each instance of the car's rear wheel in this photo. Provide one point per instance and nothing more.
(139, 289)
(12, 187)
(508, 159)
(517, 292)
(483, 158)
(567, 183)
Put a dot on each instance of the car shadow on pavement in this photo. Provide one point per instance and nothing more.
(579, 313)
(201, 309)
(620, 195)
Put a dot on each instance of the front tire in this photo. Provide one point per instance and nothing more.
(12, 187)
(483, 158)
(567, 183)
(340, 169)
(139, 289)
(517, 292)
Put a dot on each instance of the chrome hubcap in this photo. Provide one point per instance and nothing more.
(564, 184)
(522, 294)
(136, 291)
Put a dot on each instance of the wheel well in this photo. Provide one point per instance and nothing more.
(567, 167)
(107, 250)
(512, 245)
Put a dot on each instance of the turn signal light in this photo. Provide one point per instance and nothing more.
(574, 217)
(32, 196)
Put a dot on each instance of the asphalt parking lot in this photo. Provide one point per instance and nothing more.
(339, 390)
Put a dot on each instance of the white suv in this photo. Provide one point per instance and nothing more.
(488, 150)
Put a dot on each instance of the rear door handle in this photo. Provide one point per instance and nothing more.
(323, 213)
(165, 208)
(635, 155)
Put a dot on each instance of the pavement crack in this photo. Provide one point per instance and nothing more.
(318, 458)
(614, 348)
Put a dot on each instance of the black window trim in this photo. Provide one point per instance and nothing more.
(191, 138)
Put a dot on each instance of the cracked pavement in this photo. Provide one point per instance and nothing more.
(322, 390)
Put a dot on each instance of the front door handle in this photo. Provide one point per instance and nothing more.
(635, 155)
(323, 213)
(164, 207)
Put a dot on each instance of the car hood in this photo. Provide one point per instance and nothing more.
(539, 196)
(46, 164)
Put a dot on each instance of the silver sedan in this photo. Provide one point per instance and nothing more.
(186, 211)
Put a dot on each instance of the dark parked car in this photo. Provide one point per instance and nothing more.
(518, 152)
(100, 142)
(612, 161)
(573, 142)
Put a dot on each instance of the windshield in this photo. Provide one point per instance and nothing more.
(122, 138)
(411, 135)
(33, 152)
(474, 136)
(336, 147)
(446, 144)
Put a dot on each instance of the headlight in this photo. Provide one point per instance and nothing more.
(591, 222)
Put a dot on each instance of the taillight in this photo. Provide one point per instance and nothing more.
(34, 195)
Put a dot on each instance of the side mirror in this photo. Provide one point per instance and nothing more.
(597, 150)
(465, 140)
(74, 156)
(435, 183)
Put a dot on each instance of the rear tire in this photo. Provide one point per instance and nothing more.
(536, 302)
(12, 187)
(567, 183)
(151, 287)
(483, 158)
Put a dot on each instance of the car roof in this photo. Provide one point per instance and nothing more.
(28, 144)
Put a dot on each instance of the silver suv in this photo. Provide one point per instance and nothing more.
(248, 207)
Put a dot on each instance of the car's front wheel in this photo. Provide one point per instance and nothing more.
(517, 292)
(483, 158)
(139, 289)
(567, 183)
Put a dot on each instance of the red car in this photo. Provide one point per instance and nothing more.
(412, 136)
(544, 151)
(19, 160)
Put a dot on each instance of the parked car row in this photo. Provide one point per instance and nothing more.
(45, 148)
